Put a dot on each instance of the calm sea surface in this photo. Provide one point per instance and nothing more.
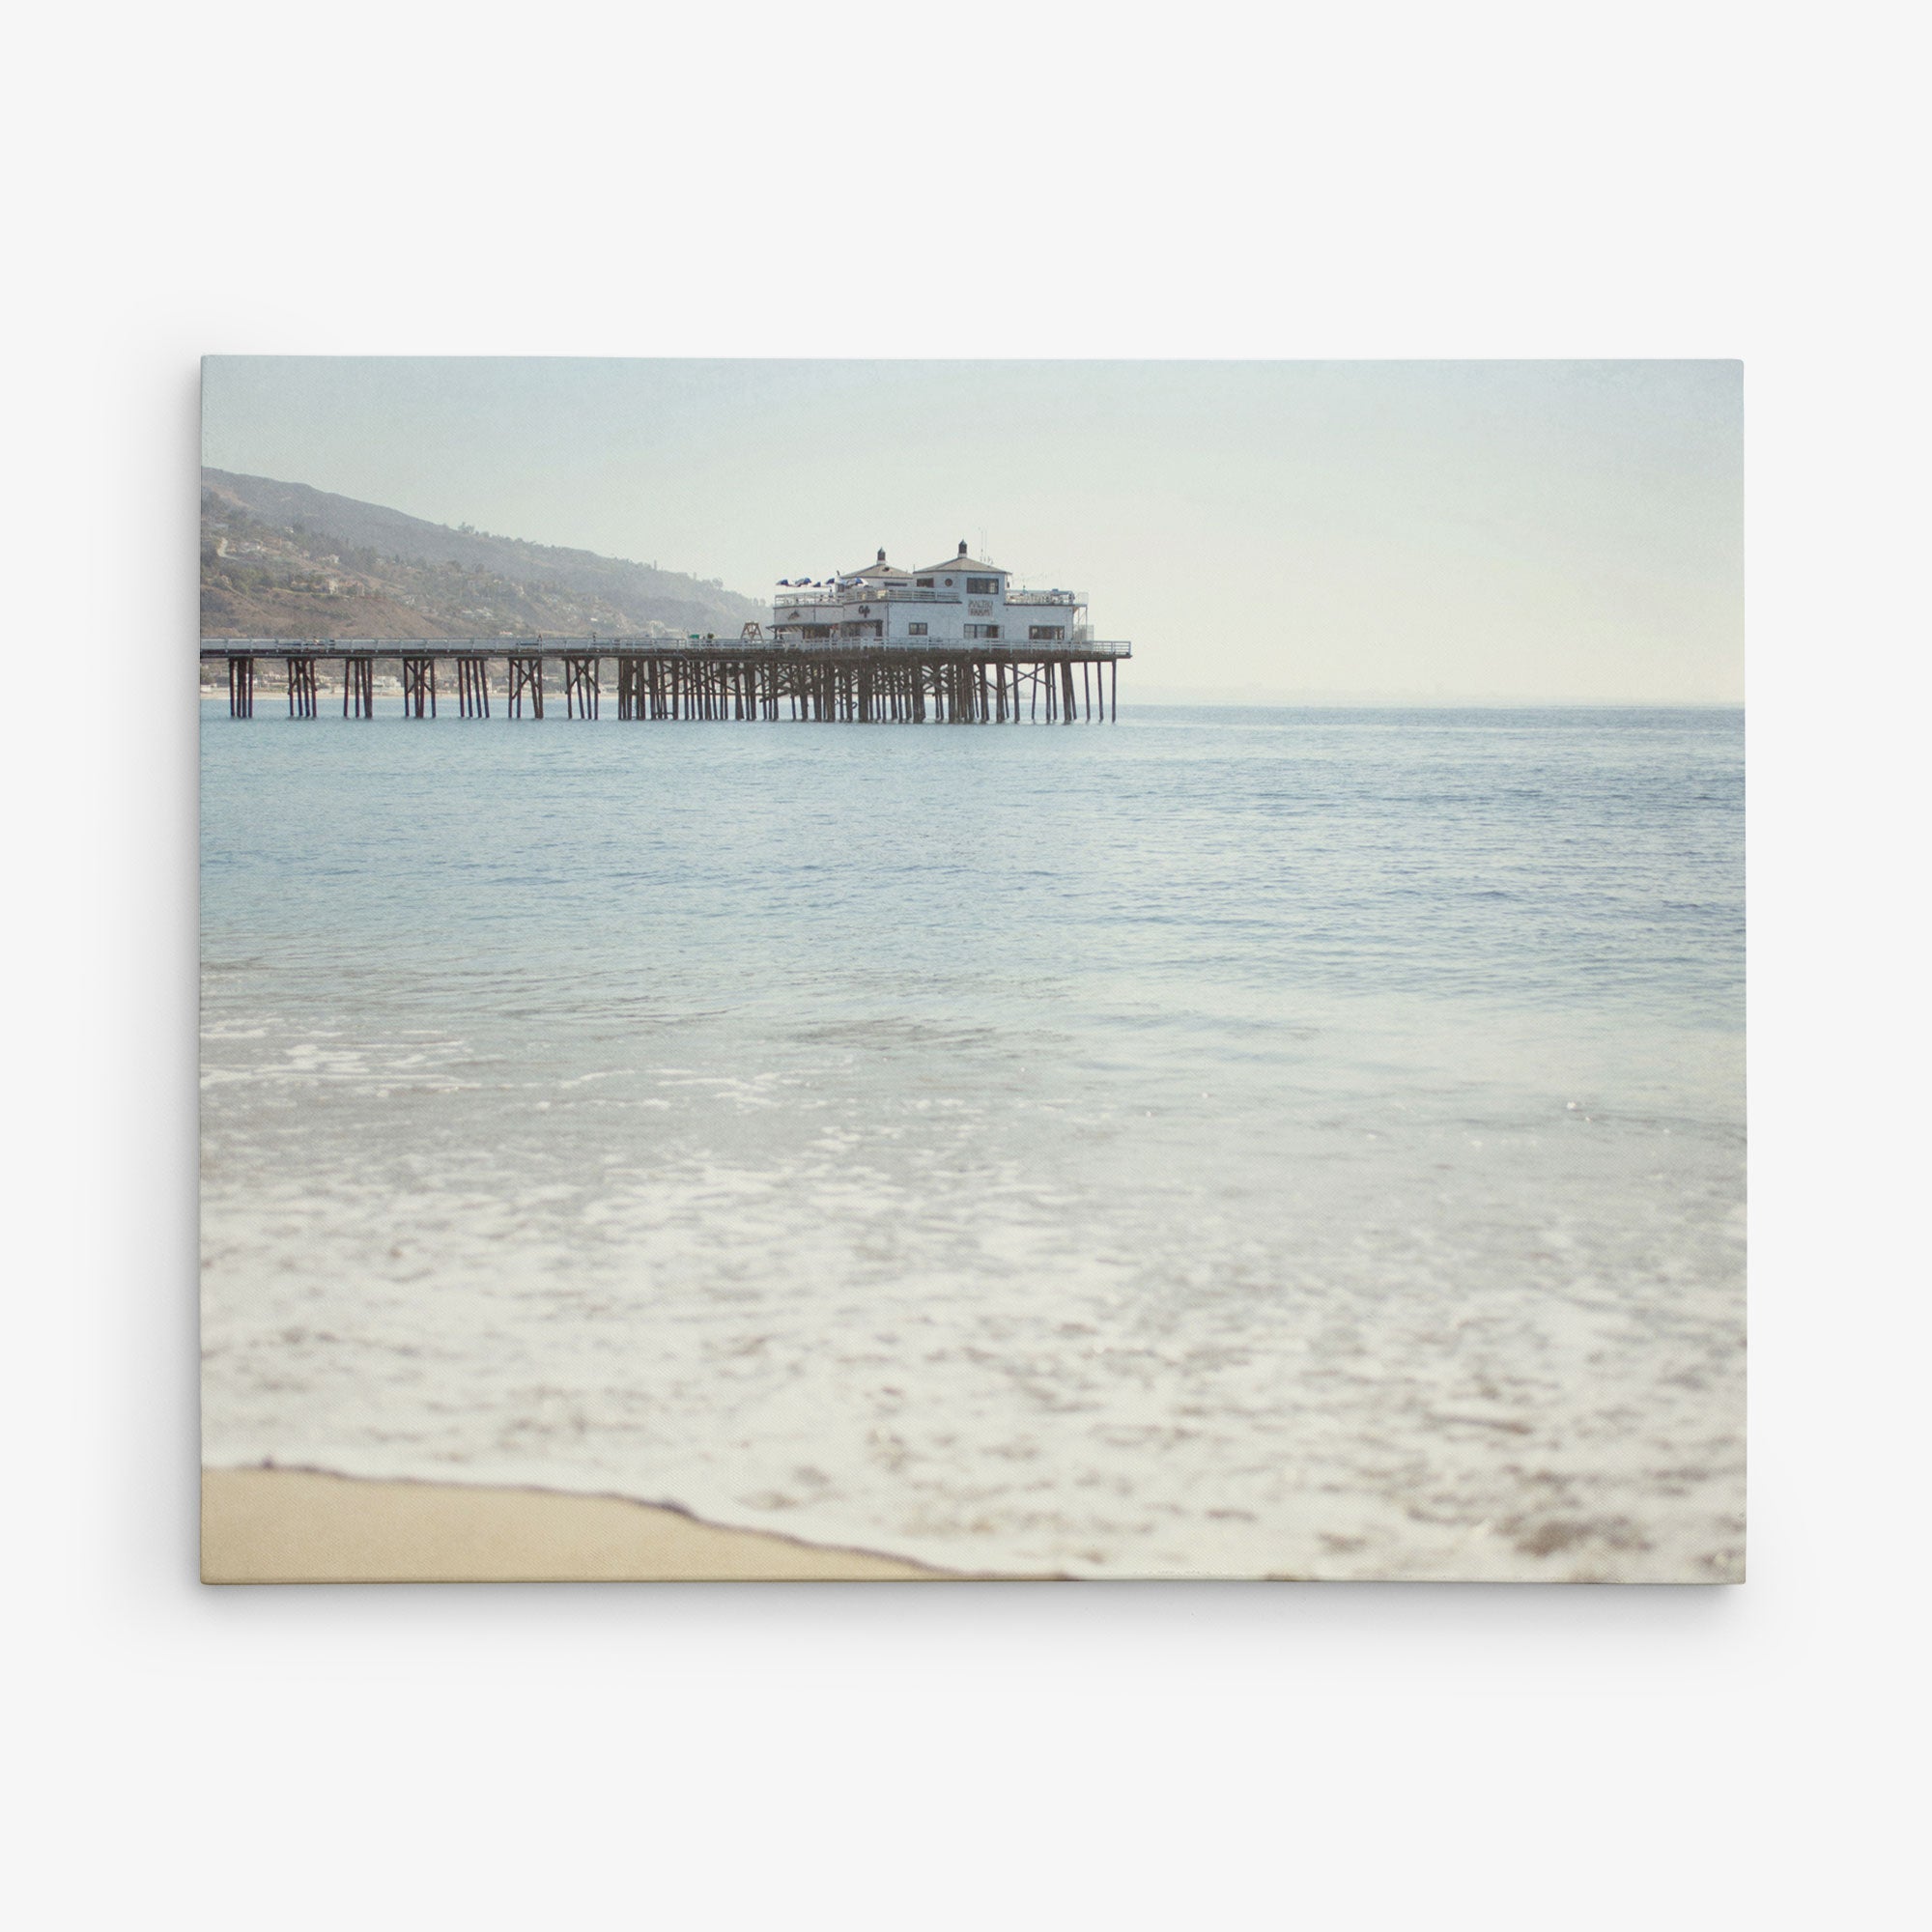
(1224, 1143)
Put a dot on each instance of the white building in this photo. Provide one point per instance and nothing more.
(960, 601)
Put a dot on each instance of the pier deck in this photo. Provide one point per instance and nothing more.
(743, 679)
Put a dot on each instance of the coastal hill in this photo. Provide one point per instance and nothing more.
(283, 560)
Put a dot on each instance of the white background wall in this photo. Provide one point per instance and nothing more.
(1390, 181)
(942, 620)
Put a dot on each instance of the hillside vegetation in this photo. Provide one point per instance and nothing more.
(283, 560)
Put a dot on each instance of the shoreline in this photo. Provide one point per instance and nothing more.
(289, 1526)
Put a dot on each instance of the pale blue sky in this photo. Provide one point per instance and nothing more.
(1514, 531)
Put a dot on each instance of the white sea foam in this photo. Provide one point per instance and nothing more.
(1147, 1153)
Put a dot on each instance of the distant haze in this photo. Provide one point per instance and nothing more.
(1446, 531)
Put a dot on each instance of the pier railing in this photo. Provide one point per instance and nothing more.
(214, 650)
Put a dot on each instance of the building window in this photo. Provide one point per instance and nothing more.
(1045, 633)
(914, 630)
(983, 587)
(922, 584)
(988, 631)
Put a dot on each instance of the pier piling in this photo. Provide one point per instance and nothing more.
(580, 687)
(301, 686)
(659, 680)
(358, 686)
(525, 679)
(418, 687)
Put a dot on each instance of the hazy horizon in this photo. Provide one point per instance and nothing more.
(1421, 532)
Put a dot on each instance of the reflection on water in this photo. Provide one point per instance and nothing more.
(1224, 1143)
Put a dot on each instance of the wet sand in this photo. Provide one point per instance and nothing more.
(299, 1527)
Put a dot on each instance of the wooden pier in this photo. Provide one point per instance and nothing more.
(653, 679)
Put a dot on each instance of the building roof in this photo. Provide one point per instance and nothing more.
(959, 563)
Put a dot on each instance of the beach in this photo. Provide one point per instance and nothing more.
(1231, 1143)
(303, 1526)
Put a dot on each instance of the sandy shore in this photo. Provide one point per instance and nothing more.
(297, 1526)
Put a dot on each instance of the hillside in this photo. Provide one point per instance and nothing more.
(283, 560)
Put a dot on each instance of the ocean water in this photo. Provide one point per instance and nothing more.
(1225, 1143)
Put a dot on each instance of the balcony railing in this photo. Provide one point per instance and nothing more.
(797, 599)
(983, 647)
(800, 599)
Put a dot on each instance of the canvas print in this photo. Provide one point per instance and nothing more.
(940, 970)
